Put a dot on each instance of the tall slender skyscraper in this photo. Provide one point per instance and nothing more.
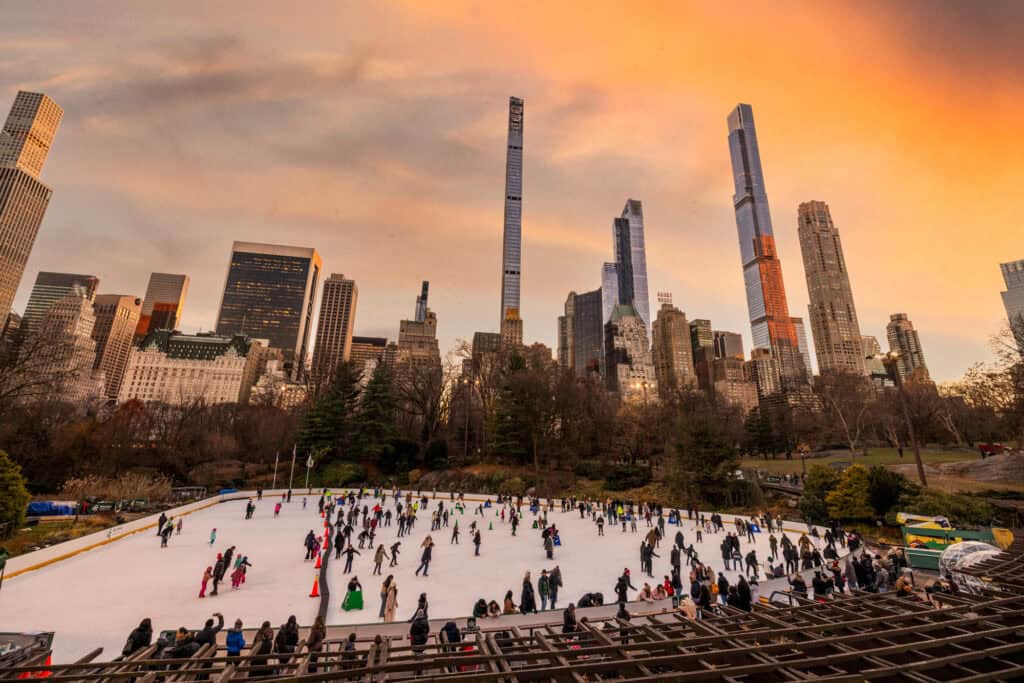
(24, 145)
(837, 338)
(770, 323)
(334, 327)
(422, 302)
(903, 340)
(117, 317)
(1013, 299)
(161, 307)
(631, 259)
(270, 293)
(512, 241)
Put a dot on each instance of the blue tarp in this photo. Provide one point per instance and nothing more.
(45, 507)
(224, 491)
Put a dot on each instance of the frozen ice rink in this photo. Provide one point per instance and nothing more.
(97, 597)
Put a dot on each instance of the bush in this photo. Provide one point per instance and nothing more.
(512, 487)
(820, 480)
(338, 474)
(885, 489)
(14, 496)
(958, 508)
(849, 500)
(591, 469)
(436, 455)
(622, 477)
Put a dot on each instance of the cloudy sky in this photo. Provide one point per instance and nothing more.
(375, 133)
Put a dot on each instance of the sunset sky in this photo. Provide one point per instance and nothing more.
(375, 133)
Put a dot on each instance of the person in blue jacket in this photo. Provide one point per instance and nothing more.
(235, 640)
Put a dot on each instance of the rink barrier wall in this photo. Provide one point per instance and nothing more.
(45, 557)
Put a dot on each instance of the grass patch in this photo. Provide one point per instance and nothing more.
(876, 456)
(46, 534)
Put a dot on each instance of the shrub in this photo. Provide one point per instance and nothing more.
(512, 487)
(958, 508)
(591, 469)
(436, 455)
(885, 488)
(820, 480)
(622, 477)
(338, 474)
(14, 496)
(849, 499)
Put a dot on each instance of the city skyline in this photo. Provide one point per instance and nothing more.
(104, 218)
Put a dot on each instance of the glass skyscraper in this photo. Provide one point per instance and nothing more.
(770, 323)
(1013, 299)
(512, 240)
(631, 259)
(270, 293)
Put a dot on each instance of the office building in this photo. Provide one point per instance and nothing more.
(671, 351)
(702, 337)
(609, 291)
(1013, 299)
(904, 341)
(770, 323)
(510, 323)
(629, 368)
(631, 259)
(368, 352)
(50, 288)
(763, 370)
(334, 325)
(833, 315)
(588, 334)
(801, 345)
(873, 365)
(162, 304)
(270, 293)
(417, 344)
(182, 369)
(117, 318)
(25, 142)
(728, 344)
(566, 342)
(729, 380)
(275, 388)
(422, 302)
(63, 340)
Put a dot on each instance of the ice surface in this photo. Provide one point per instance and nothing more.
(96, 598)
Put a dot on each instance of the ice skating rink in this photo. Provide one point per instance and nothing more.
(97, 597)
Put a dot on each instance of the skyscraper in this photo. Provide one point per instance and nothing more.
(728, 344)
(270, 293)
(69, 351)
(334, 327)
(510, 322)
(903, 340)
(422, 302)
(161, 307)
(117, 317)
(770, 323)
(629, 369)
(701, 337)
(609, 291)
(566, 342)
(588, 333)
(670, 348)
(1013, 299)
(24, 145)
(837, 338)
(631, 259)
(48, 290)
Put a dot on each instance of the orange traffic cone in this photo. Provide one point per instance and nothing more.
(315, 593)
(318, 564)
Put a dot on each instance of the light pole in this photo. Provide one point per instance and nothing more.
(890, 361)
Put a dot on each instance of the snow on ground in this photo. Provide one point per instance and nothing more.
(97, 597)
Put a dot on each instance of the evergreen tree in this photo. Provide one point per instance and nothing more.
(849, 499)
(330, 425)
(375, 421)
(14, 496)
(705, 460)
(818, 482)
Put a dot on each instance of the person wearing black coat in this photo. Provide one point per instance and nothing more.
(723, 587)
(743, 590)
(262, 644)
(287, 639)
(140, 637)
(419, 630)
(569, 619)
(528, 600)
(208, 634)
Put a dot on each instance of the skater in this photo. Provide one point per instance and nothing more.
(544, 589)
(384, 587)
(428, 547)
(394, 553)
(207, 575)
(378, 558)
(476, 543)
(166, 534)
(160, 523)
(554, 583)
(349, 552)
(455, 534)
(310, 544)
(353, 596)
(218, 572)
(277, 511)
(177, 530)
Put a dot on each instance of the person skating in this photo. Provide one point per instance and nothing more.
(339, 544)
(207, 575)
(455, 534)
(428, 551)
(391, 602)
(160, 523)
(554, 583)
(166, 534)
(213, 536)
(384, 594)
(177, 527)
(378, 558)
(723, 587)
(476, 542)
(394, 553)
(218, 573)
(744, 592)
(549, 547)
(544, 588)
(751, 563)
(310, 543)
(622, 585)
(348, 553)
(140, 637)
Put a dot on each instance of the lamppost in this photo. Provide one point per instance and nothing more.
(891, 362)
